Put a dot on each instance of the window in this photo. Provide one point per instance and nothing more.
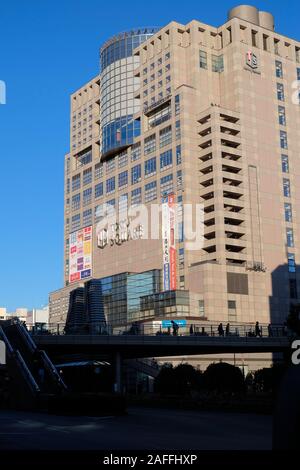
(150, 144)
(166, 185)
(290, 237)
(178, 154)
(87, 176)
(123, 179)
(177, 105)
(84, 158)
(166, 159)
(136, 196)
(286, 187)
(291, 263)
(150, 191)
(122, 159)
(168, 67)
(98, 190)
(76, 202)
(231, 310)
(217, 63)
(181, 258)
(298, 73)
(110, 185)
(201, 308)
(177, 130)
(150, 167)
(98, 212)
(87, 217)
(280, 91)
(136, 174)
(123, 206)
(110, 165)
(283, 140)
(87, 196)
(160, 116)
(278, 67)
(285, 163)
(203, 59)
(288, 212)
(136, 152)
(76, 182)
(167, 56)
(98, 171)
(75, 224)
(281, 115)
(165, 136)
(253, 38)
(293, 288)
(179, 179)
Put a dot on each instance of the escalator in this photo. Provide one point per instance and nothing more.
(32, 372)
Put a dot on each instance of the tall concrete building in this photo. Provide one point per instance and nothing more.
(188, 115)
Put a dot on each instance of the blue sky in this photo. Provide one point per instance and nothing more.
(47, 50)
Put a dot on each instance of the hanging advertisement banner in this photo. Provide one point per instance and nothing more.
(168, 241)
(80, 254)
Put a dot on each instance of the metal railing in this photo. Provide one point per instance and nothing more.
(203, 329)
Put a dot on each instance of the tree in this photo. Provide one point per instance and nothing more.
(222, 377)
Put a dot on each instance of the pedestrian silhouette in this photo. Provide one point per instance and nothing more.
(175, 327)
(227, 329)
(257, 329)
(221, 330)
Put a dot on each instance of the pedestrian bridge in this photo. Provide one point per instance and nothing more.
(135, 346)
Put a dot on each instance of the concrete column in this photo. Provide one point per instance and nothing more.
(118, 373)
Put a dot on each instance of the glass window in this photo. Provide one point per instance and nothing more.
(136, 174)
(136, 152)
(110, 185)
(98, 171)
(76, 182)
(75, 202)
(110, 165)
(84, 158)
(280, 91)
(150, 144)
(203, 59)
(178, 154)
(181, 258)
(159, 116)
(217, 63)
(166, 159)
(285, 163)
(123, 206)
(288, 212)
(87, 217)
(136, 196)
(150, 167)
(290, 237)
(179, 179)
(123, 179)
(87, 196)
(286, 187)
(279, 70)
(201, 308)
(291, 263)
(87, 176)
(283, 140)
(281, 115)
(298, 73)
(75, 223)
(150, 191)
(165, 136)
(177, 130)
(98, 190)
(122, 159)
(166, 184)
(177, 105)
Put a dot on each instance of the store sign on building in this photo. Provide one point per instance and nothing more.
(252, 62)
(118, 233)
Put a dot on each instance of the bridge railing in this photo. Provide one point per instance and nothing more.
(157, 329)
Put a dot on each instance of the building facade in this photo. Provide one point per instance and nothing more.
(202, 116)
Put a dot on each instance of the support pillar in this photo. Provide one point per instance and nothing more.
(118, 373)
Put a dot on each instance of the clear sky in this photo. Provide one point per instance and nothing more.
(47, 50)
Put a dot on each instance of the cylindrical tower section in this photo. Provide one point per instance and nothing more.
(118, 86)
(266, 20)
(244, 12)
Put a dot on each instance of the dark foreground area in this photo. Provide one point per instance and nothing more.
(142, 428)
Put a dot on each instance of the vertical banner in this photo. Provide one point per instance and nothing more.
(81, 254)
(168, 240)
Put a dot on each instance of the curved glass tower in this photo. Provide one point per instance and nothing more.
(118, 86)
